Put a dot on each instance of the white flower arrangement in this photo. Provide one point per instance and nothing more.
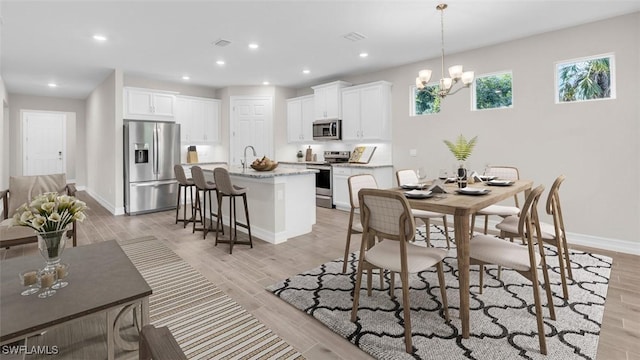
(50, 212)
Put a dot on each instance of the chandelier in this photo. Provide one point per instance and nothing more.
(455, 72)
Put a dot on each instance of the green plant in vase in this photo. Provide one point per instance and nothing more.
(461, 149)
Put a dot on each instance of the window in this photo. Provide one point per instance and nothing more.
(585, 79)
(425, 101)
(493, 91)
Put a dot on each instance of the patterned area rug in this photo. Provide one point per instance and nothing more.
(206, 323)
(503, 321)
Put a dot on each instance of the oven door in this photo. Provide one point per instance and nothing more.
(323, 180)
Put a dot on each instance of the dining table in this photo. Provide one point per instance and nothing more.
(462, 206)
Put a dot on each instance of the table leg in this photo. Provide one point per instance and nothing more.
(461, 226)
(145, 312)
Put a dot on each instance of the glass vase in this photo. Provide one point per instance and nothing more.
(51, 245)
(462, 176)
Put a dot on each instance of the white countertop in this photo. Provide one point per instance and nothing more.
(237, 171)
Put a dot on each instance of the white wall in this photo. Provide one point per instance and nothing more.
(104, 139)
(5, 158)
(595, 144)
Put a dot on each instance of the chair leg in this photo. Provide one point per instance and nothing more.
(563, 273)
(443, 290)
(219, 218)
(185, 206)
(348, 243)
(233, 233)
(481, 278)
(356, 289)
(536, 297)
(404, 277)
(566, 255)
(194, 210)
(545, 275)
(392, 285)
(205, 228)
(178, 201)
(246, 214)
(446, 231)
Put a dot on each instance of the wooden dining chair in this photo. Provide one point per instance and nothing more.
(552, 234)
(503, 173)
(409, 176)
(386, 214)
(356, 183)
(524, 259)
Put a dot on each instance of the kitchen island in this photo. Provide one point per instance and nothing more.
(282, 202)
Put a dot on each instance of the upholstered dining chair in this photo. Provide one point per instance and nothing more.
(355, 183)
(386, 214)
(503, 173)
(186, 184)
(553, 234)
(524, 259)
(409, 176)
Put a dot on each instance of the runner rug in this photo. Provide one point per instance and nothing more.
(206, 323)
(503, 321)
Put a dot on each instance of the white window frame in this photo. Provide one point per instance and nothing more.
(612, 76)
(412, 100)
(474, 106)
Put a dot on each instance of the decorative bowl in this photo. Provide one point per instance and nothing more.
(266, 167)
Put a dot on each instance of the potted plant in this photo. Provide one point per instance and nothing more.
(461, 149)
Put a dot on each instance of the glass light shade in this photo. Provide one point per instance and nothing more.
(455, 71)
(419, 83)
(424, 76)
(445, 84)
(467, 77)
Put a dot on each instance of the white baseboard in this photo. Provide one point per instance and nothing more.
(623, 246)
(107, 205)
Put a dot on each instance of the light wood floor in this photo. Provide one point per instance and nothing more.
(246, 273)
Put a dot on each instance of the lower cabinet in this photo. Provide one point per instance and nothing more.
(382, 174)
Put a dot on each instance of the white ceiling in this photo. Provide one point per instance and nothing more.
(51, 41)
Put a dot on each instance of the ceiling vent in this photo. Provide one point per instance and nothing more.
(354, 36)
(221, 42)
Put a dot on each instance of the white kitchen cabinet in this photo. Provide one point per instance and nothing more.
(366, 112)
(341, 173)
(146, 104)
(199, 119)
(327, 100)
(300, 119)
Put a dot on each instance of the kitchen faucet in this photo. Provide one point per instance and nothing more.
(244, 164)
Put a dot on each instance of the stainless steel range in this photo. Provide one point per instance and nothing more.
(324, 176)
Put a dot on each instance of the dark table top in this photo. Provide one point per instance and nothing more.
(101, 276)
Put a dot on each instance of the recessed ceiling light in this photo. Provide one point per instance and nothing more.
(253, 46)
(265, 83)
(220, 62)
(363, 54)
(99, 37)
(186, 77)
(306, 71)
(52, 85)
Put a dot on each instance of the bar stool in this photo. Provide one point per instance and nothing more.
(225, 188)
(183, 183)
(206, 187)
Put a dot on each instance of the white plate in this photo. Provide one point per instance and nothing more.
(500, 182)
(418, 194)
(413, 186)
(473, 191)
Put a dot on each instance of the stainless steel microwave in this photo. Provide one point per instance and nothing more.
(327, 130)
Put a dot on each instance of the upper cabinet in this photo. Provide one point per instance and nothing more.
(366, 112)
(199, 119)
(300, 118)
(145, 104)
(327, 101)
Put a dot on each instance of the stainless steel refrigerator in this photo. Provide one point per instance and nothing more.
(151, 149)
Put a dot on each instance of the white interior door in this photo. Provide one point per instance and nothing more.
(251, 124)
(44, 143)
